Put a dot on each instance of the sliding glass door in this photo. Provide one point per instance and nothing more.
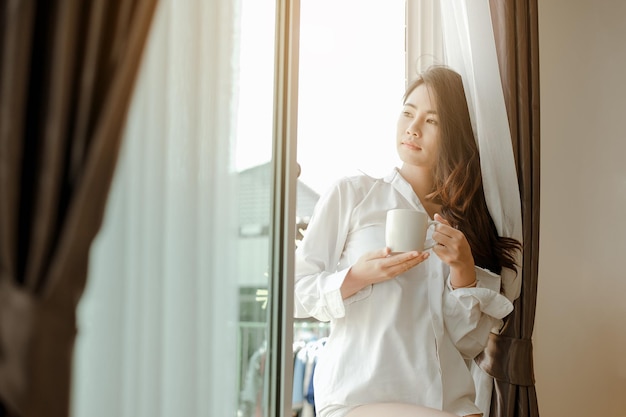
(184, 312)
(351, 81)
(188, 308)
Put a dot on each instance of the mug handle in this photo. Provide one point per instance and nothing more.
(431, 223)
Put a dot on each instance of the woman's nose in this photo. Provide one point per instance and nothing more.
(413, 129)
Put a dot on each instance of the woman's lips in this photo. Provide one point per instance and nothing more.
(412, 146)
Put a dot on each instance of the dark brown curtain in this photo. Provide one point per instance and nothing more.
(67, 70)
(508, 357)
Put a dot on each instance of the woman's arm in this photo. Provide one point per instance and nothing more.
(320, 288)
(470, 314)
(379, 266)
(473, 305)
(454, 249)
(317, 281)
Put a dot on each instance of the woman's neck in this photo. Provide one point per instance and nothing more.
(421, 180)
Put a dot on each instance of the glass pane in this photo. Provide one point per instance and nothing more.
(352, 72)
(174, 318)
(253, 159)
(351, 81)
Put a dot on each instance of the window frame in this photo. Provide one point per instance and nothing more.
(423, 39)
(282, 231)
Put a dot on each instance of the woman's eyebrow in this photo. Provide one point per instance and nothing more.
(415, 107)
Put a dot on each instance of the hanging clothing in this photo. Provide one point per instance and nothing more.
(251, 396)
(403, 340)
(299, 366)
(304, 367)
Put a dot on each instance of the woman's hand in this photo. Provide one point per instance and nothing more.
(453, 248)
(379, 266)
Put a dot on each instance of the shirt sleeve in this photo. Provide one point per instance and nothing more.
(471, 313)
(317, 280)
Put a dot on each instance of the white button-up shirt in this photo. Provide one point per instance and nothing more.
(403, 340)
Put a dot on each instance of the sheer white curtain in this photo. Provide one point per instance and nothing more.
(470, 50)
(157, 324)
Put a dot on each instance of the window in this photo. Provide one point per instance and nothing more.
(351, 81)
(352, 67)
(178, 316)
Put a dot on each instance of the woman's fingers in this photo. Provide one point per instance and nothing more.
(381, 265)
(386, 259)
(444, 229)
(400, 263)
(398, 258)
(453, 247)
(438, 217)
(392, 265)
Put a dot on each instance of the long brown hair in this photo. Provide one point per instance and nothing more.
(458, 184)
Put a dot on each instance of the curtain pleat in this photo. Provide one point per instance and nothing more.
(163, 300)
(508, 356)
(67, 72)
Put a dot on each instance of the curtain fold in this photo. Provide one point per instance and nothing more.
(163, 300)
(470, 49)
(67, 74)
(515, 25)
(501, 77)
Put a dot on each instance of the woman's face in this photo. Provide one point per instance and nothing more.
(418, 129)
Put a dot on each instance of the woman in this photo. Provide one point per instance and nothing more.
(404, 326)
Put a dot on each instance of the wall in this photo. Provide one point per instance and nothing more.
(580, 328)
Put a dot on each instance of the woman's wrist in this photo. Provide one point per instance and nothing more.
(351, 285)
(470, 285)
(463, 277)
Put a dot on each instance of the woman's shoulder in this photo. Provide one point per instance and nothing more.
(356, 184)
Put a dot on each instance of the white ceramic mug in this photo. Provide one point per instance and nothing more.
(406, 229)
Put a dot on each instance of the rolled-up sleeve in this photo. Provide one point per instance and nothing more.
(471, 313)
(319, 296)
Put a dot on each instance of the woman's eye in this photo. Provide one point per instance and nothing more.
(406, 114)
(432, 121)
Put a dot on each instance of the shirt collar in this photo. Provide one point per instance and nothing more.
(401, 185)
